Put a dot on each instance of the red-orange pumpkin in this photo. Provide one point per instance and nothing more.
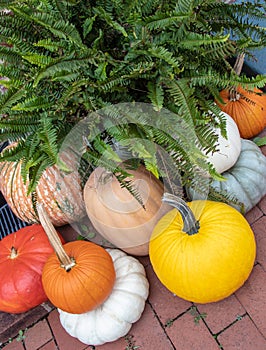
(22, 257)
(60, 193)
(77, 277)
(247, 108)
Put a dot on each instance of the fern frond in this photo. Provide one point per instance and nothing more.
(39, 60)
(156, 95)
(63, 66)
(33, 104)
(162, 20)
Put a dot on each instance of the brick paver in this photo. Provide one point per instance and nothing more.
(253, 296)
(253, 215)
(148, 332)
(221, 314)
(14, 345)
(259, 229)
(242, 335)
(62, 338)
(189, 332)
(38, 335)
(49, 346)
(166, 305)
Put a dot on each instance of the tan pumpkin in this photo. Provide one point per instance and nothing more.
(60, 193)
(117, 215)
(247, 108)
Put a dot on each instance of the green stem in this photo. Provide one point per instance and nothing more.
(190, 224)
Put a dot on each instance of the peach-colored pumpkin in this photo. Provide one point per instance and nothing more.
(117, 215)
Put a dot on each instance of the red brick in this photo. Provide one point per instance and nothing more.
(15, 345)
(253, 215)
(165, 303)
(259, 229)
(253, 295)
(221, 314)
(186, 334)
(63, 339)
(144, 260)
(262, 205)
(242, 335)
(37, 335)
(49, 346)
(148, 333)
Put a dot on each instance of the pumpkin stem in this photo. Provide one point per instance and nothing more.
(66, 262)
(239, 63)
(190, 224)
(234, 95)
(13, 253)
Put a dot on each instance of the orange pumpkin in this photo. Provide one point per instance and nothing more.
(117, 215)
(77, 277)
(247, 108)
(60, 193)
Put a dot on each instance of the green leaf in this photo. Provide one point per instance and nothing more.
(156, 95)
(260, 141)
(87, 26)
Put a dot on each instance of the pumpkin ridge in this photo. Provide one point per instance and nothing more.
(247, 194)
(14, 203)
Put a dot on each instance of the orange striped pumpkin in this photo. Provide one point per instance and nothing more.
(60, 193)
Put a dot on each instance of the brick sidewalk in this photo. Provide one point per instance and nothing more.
(168, 322)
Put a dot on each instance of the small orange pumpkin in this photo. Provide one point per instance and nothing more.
(247, 108)
(77, 277)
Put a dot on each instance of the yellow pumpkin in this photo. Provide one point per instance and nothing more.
(203, 251)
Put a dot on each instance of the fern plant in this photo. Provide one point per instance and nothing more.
(63, 60)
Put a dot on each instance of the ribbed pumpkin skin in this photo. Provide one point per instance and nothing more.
(209, 265)
(124, 306)
(86, 285)
(228, 149)
(21, 276)
(117, 215)
(249, 112)
(61, 194)
(246, 180)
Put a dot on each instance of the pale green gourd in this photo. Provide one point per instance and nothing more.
(245, 181)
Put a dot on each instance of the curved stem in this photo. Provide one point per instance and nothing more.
(66, 262)
(190, 224)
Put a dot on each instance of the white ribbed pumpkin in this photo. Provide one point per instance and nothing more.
(60, 193)
(228, 148)
(124, 306)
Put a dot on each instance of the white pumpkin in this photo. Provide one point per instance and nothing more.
(124, 306)
(228, 148)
